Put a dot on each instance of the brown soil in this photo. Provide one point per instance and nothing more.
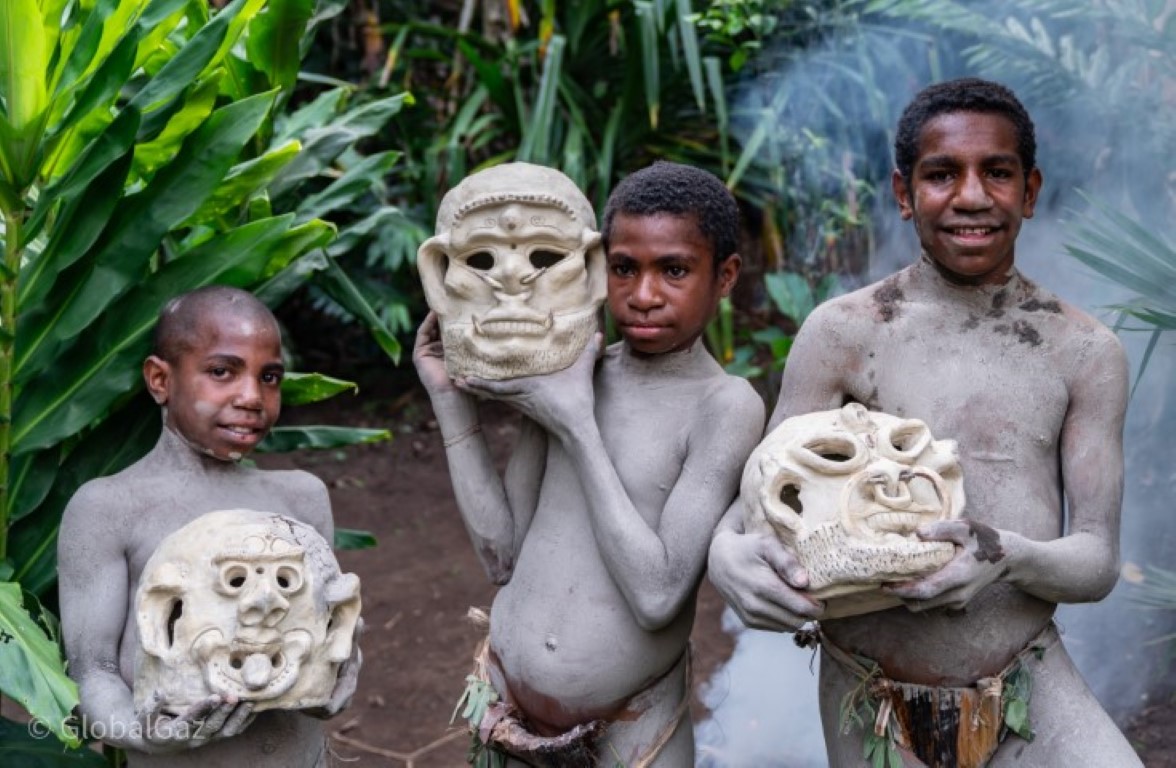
(421, 579)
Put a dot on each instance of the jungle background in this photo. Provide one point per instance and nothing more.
(299, 148)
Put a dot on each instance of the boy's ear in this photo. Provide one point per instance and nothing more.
(157, 374)
(902, 193)
(1033, 183)
(729, 273)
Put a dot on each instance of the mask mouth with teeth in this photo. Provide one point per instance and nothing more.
(515, 273)
(845, 491)
(246, 604)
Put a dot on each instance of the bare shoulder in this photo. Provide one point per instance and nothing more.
(1084, 340)
(112, 499)
(731, 401)
(304, 495)
(842, 319)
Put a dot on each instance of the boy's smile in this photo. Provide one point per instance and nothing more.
(224, 393)
(968, 194)
(662, 283)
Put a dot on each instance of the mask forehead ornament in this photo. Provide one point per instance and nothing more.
(845, 490)
(246, 604)
(515, 272)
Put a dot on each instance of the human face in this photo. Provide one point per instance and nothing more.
(224, 395)
(662, 285)
(968, 194)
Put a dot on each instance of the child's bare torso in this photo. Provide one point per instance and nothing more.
(992, 369)
(561, 629)
(153, 500)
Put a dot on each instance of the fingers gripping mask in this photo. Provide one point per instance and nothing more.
(246, 604)
(846, 489)
(515, 272)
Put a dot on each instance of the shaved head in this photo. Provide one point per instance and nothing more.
(182, 320)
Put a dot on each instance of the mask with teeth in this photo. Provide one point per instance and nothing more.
(845, 490)
(515, 272)
(246, 604)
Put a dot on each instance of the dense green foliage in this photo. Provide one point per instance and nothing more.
(144, 152)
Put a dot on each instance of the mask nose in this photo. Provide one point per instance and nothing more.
(261, 603)
(890, 481)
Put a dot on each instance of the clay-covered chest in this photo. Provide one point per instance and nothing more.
(997, 383)
(645, 431)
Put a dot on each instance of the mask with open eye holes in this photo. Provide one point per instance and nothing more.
(515, 272)
(246, 604)
(845, 490)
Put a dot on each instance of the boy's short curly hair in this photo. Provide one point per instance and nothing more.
(967, 94)
(678, 190)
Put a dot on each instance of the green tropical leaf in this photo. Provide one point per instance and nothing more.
(139, 223)
(284, 439)
(303, 388)
(690, 51)
(347, 538)
(281, 286)
(791, 294)
(342, 289)
(31, 669)
(30, 479)
(79, 49)
(319, 112)
(24, 61)
(357, 180)
(273, 44)
(296, 242)
(244, 180)
(186, 66)
(323, 144)
(102, 87)
(78, 227)
(197, 106)
(10, 200)
(537, 145)
(647, 18)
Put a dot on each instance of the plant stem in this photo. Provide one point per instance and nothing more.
(12, 248)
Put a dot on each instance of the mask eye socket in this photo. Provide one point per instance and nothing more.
(790, 497)
(288, 579)
(541, 259)
(906, 440)
(233, 578)
(480, 260)
(830, 454)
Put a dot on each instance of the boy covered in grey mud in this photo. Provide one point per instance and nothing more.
(1034, 391)
(598, 533)
(216, 370)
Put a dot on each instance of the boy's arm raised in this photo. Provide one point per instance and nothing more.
(656, 567)
(496, 513)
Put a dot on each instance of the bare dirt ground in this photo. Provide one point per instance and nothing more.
(420, 581)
